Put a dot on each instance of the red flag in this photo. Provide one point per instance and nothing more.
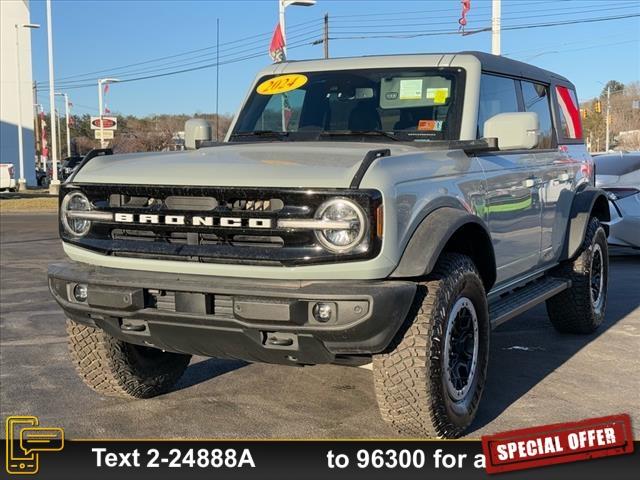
(276, 48)
(466, 6)
(106, 88)
(106, 109)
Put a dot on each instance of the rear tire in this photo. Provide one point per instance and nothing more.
(430, 380)
(115, 368)
(581, 308)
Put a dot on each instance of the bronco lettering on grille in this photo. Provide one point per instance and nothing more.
(196, 221)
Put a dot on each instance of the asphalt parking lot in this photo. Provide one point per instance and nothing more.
(536, 375)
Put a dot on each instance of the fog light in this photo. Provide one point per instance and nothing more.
(80, 293)
(323, 312)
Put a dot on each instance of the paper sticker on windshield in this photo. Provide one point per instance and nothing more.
(281, 84)
(411, 89)
(439, 95)
(430, 125)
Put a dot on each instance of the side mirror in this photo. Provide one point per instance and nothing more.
(514, 131)
(196, 131)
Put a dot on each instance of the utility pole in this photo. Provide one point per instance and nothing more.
(66, 114)
(217, 76)
(325, 37)
(54, 186)
(606, 142)
(495, 27)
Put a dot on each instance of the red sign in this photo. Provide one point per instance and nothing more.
(108, 123)
(559, 443)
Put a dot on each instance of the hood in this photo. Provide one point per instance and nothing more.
(258, 164)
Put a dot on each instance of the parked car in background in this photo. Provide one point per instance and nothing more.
(69, 164)
(7, 180)
(619, 175)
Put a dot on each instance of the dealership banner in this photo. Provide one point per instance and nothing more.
(252, 459)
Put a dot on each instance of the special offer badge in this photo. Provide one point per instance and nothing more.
(558, 443)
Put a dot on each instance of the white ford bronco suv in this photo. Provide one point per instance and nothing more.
(385, 209)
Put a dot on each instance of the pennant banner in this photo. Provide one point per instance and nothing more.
(276, 48)
(466, 6)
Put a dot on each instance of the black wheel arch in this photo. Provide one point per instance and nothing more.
(587, 203)
(448, 229)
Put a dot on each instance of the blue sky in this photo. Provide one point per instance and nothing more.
(98, 35)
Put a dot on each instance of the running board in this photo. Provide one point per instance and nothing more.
(524, 298)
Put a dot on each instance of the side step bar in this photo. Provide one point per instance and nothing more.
(524, 298)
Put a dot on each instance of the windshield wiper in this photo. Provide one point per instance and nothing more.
(261, 133)
(359, 133)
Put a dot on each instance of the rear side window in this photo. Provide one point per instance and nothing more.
(536, 99)
(497, 95)
(569, 113)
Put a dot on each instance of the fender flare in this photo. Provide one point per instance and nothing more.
(587, 203)
(432, 235)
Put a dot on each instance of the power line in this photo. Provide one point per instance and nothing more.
(585, 48)
(418, 33)
(202, 67)
(302, 42)
(181, 64)
(540, 48)
(387, 14)
(292, 28)
(610, 8)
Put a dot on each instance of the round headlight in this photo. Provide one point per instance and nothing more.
(75, 202)
(343, 240)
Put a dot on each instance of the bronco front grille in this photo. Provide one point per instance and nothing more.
(224, 225)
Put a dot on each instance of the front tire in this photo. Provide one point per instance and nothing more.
(430, 381)
(581, 308)
(115, 368)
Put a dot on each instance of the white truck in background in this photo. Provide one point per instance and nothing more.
(7, 179)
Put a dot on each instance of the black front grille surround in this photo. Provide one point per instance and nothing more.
(216, 244)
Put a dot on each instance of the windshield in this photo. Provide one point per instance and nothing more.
(385, 104)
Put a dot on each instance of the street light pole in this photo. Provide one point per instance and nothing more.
(54, 186)
(102, 81)
(495, 27)
(66, 114)
(606, 142)
(59, 135)
(22, 183)
(282, 5)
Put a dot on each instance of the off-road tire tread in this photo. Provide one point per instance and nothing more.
(107, 365)
(403, 376)
(571, 311)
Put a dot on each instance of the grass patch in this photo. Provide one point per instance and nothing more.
(41, 204)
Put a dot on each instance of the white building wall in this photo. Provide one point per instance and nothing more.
(14, 12)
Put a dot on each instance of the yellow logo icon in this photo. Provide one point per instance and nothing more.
(25, 440)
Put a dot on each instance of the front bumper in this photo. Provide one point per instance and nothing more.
(250, 319)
